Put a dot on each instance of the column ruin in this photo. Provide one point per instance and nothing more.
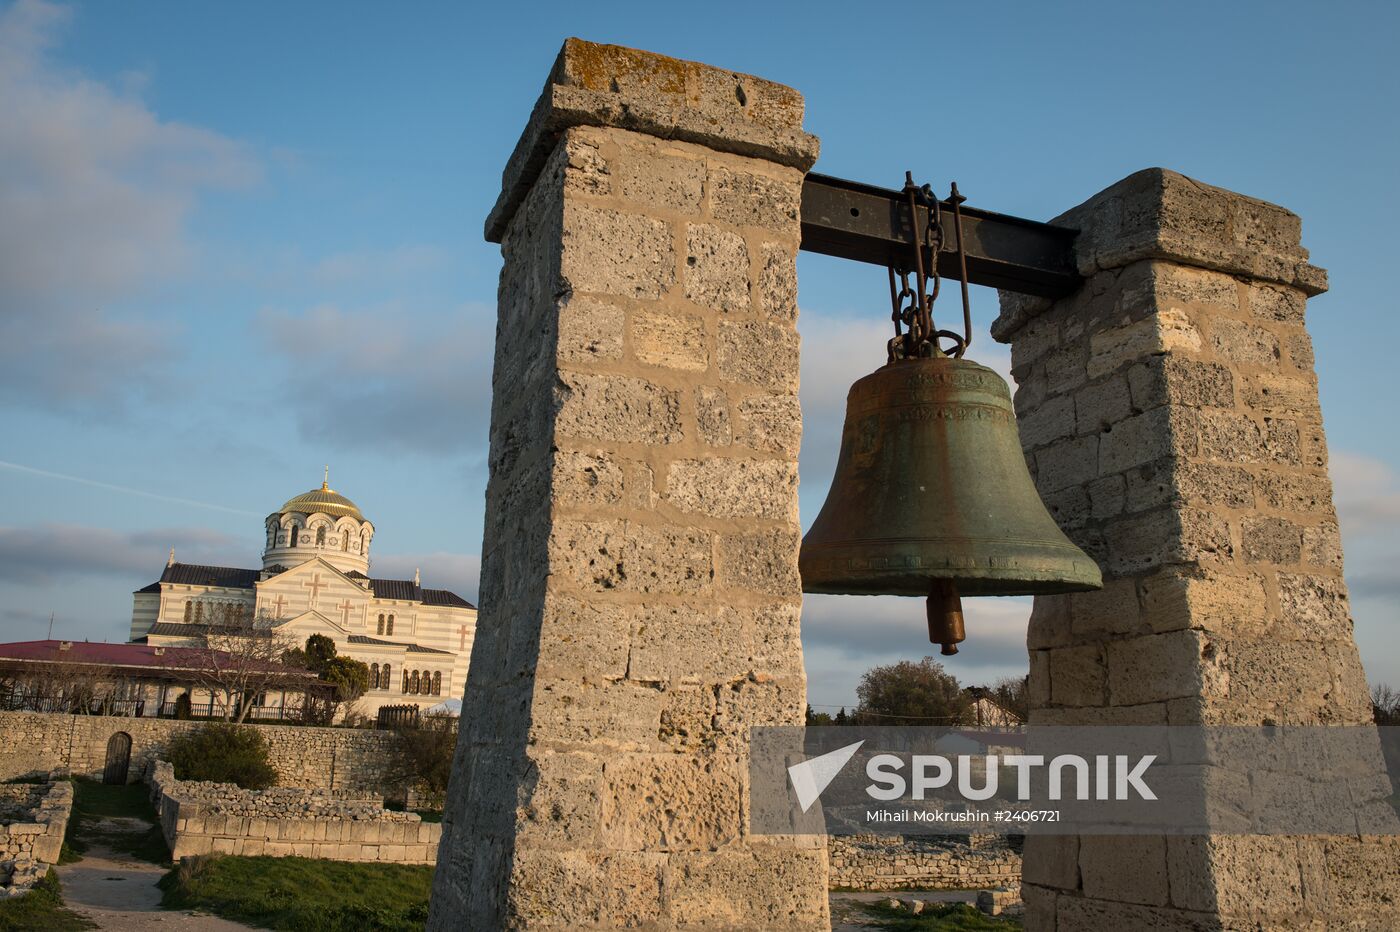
(1169, 411)
(639, 588)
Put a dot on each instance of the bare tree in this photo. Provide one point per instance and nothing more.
(245, 657)
(1385, 704)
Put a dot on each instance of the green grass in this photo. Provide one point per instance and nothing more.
(93, 802)
(939, 917)
(41, 908)
(302, 894)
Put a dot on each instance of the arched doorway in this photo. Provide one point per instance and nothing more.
(118, 759)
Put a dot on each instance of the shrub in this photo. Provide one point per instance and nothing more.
(184, 709)
(223, 753)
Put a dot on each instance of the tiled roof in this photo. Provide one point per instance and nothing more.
(405, 589)
(443, 597)
(190, 574)
(412, 648)
(122, 655)
(228, 577)
(175, 629)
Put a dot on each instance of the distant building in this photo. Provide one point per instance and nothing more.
(315, 579)
(84, 678)
(986, 712)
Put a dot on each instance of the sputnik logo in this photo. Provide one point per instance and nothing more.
(811, 777)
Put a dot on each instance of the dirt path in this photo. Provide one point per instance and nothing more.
(119, 893)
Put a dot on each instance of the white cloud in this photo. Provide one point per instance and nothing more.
(46, 554)
(387, 378)
(95, 191)
(1367, 494)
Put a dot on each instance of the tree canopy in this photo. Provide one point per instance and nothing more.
(908, 693)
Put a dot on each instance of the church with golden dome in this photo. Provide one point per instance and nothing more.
(315, 579)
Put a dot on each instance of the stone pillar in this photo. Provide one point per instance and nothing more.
(1169, 411)
(639, 592)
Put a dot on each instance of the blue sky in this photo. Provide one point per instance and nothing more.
(241, 241)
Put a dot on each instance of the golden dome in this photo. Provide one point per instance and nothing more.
(325, 500)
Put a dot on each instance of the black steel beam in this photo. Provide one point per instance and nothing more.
(857, 221)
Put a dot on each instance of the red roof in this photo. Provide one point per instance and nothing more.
(100, 652)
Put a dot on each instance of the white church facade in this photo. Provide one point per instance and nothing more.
(315, 579)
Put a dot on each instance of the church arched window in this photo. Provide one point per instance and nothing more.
(380, 628)
(345, 540)
(292, 534)
(189, 610)
(321, 536)
(198, 612)
(405, 682)
(437, 683)
(389, 625)
(364, 542)
(384, 674)
(374, 676)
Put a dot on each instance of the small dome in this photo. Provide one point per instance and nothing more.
(324, 500)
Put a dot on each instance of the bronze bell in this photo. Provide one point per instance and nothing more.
(932, 498)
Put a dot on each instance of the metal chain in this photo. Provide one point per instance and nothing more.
(912, 306)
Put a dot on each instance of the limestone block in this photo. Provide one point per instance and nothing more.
(1047, 423)
(581, 888)
(700, 887)
(582, 634)
(761, 561)
(614, 408)
(1240, 342)
(1176, 599)
(1112, 610)
(1322, 546)
(651, 173)
(1049, 623)
(717, 268)
(1127, 868)
(1101, 405)
(1137, 440)
(609, 252)
(1171, 379)
(1078, 676)
(1157, 667)
(749, 199)
(1271, 303)
(770, 423)
(571, 714)
(1167, 331)
(1067, 463)
(1271, 540)
(712, 416)
(589, 330)
(1270, 393)
(777, 282)
(565, 801)
(723, 487)
(588, 479)
(632, 557)
(674, 341)
(1315, 606)
(1108, 496)
(671, 802)
(759, 354)
(1295, 492)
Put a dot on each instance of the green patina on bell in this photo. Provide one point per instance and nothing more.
(932, 498)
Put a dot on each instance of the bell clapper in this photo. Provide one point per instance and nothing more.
(945, 616)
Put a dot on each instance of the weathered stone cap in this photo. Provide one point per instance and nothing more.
(609, 85)
(1161, 214)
